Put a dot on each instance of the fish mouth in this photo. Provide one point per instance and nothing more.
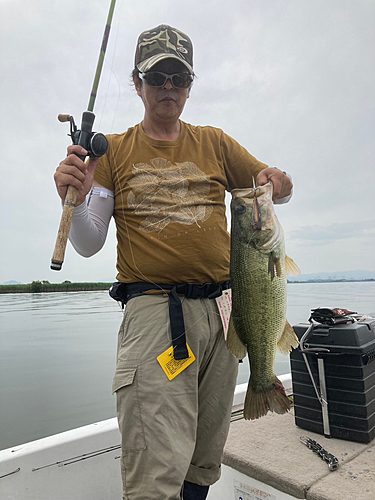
(248, 194)
(256, 197)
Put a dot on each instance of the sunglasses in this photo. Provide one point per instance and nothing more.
(158, 79)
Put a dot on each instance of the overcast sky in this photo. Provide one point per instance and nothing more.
(292, 80)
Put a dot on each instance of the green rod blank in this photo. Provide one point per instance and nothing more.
(101, 57)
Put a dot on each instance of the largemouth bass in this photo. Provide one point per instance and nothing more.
(258, 322)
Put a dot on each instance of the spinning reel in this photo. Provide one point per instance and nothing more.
(95, 143)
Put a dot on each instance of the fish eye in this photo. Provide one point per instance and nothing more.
(241, 209)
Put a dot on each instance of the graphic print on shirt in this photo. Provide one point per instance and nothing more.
(164, 192)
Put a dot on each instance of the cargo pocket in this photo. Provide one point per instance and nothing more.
(125, 385)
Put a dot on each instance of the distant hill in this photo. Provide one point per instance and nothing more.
(12, 282)
(334, 276)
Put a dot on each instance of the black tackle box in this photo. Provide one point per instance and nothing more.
(347, 352)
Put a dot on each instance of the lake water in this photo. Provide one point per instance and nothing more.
(57, 354)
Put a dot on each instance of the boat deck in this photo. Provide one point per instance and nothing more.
(269, 450)
(264, 460)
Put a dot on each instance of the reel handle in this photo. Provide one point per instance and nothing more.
(63, 118)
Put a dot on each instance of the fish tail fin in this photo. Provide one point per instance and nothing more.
(291, 268)
(288, 339)
(257, 404)
(234, 343)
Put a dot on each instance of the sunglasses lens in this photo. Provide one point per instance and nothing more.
(182, 80)
(155, 79)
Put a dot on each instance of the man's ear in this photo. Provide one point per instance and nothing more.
(137, 85)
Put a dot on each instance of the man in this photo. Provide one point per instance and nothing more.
(164, 182)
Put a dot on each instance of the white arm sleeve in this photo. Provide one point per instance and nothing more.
(280, 201)
(90, 222)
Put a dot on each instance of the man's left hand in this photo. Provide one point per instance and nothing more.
(282, 185)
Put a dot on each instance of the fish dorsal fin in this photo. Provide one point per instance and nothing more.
(288, 339)
(291, 268)
(234, 343)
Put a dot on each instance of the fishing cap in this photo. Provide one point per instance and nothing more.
(163, 42)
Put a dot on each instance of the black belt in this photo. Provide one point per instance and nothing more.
(123, 292)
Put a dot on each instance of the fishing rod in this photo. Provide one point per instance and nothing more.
(95, 143)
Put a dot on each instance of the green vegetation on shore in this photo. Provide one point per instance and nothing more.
(46, 286)
(68, 286)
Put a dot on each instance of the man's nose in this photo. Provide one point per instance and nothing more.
(168, 84)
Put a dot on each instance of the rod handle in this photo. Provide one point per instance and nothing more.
(71, 195)
(63, 233)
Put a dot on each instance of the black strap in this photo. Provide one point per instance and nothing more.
(176, 318)
(331, 317)
(123, 292)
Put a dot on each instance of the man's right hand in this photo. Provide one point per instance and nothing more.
(75, 172)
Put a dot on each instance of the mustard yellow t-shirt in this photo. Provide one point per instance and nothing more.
(170, 202)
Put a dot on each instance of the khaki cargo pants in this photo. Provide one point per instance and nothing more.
(171, 430)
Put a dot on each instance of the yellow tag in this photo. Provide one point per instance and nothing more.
(173, 367)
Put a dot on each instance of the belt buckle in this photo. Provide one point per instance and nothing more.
(195, 290)
(203, 290)
(189, 290)
(206, 289)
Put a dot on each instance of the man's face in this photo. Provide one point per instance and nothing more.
(164, 103)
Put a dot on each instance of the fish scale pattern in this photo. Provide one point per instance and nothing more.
(259, 299)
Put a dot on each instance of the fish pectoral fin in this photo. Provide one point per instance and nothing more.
(274, 266)
(288, 339)
(234, 343)
(278, 268)
(291, 268)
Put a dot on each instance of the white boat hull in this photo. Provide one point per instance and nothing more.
(83, 464)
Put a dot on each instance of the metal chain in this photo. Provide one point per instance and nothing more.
(332, 461)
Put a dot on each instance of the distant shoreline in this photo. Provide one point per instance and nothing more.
(67, 286)
(43, 286)
(334, 281)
